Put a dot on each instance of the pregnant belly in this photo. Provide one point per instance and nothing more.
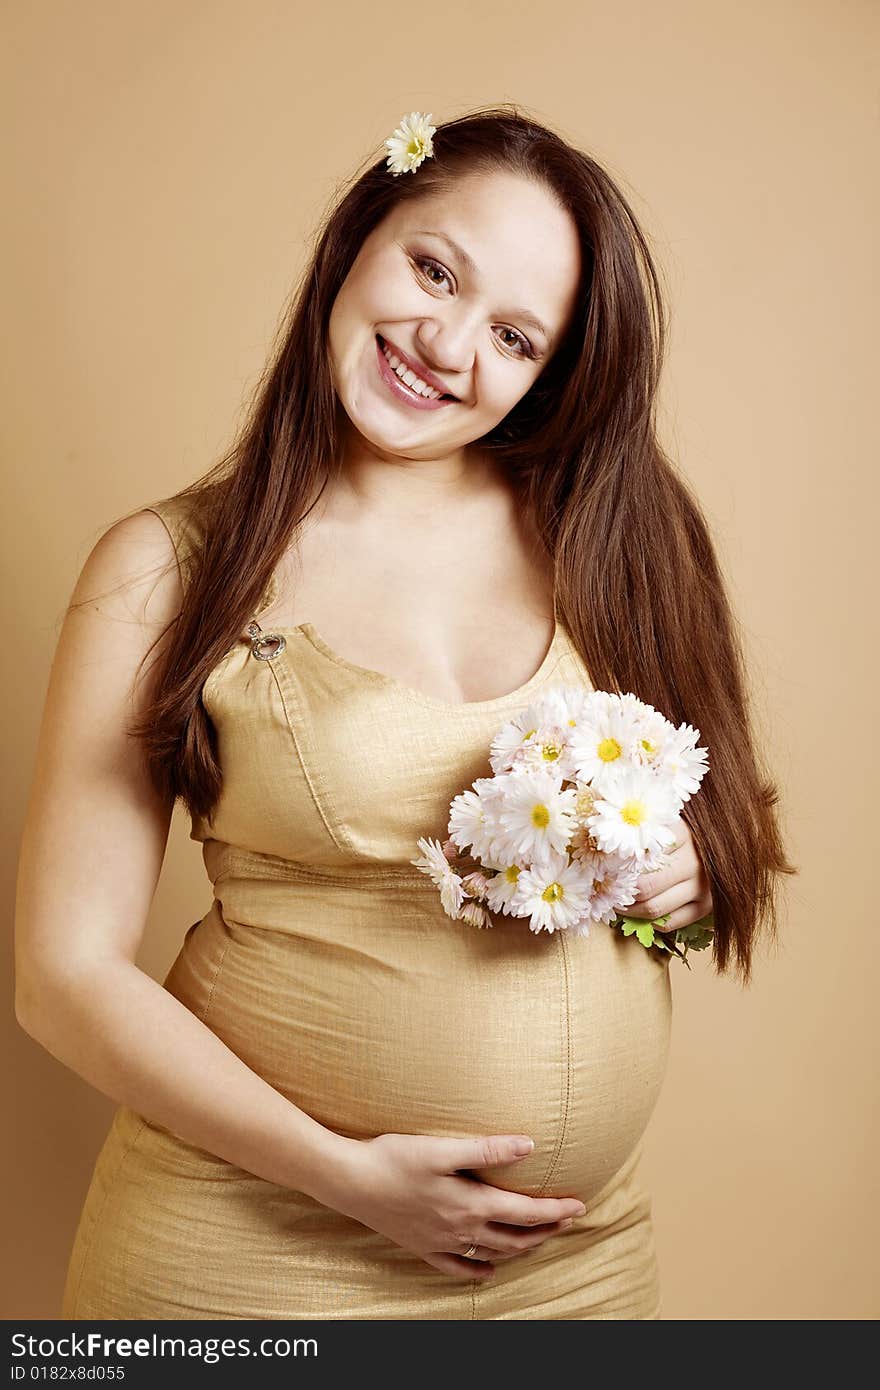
(374, 1012)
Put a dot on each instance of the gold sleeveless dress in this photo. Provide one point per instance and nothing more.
(326, 962)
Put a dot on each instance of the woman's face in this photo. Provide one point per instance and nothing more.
(466, 329)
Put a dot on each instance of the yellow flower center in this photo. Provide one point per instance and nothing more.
(585, 801)
(540, 816)
(511, 873)
(649, 747)
(553, 893)
(551, 751)
(609, 750)
(633, 812)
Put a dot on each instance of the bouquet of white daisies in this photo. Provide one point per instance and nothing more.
(586, 788)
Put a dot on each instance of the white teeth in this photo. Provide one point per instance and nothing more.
(414, 382)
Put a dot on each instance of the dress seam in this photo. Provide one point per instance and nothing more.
(203, 1017)
(288, 871)
(566, 1048)
(307, 772)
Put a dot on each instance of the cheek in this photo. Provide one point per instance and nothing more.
(505, 389)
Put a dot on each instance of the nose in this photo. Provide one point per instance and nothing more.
(448, 346)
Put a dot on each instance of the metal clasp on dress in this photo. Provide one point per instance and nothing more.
(259, 639)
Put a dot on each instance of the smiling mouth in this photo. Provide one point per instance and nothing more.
(386, 348)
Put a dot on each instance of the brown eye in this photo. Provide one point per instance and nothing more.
(432, 265)
(524, 344)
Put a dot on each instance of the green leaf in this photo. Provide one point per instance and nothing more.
(697, 935)
(700, 941)
(645, 933)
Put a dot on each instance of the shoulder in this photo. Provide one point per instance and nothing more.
(133, 571)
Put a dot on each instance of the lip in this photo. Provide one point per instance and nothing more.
(400, 389)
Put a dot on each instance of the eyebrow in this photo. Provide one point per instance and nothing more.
(468, 261)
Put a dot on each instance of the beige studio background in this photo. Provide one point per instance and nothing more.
(165, 168)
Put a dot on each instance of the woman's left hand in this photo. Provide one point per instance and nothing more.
(680, 888)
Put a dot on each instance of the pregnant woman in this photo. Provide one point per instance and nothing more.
(449, 495)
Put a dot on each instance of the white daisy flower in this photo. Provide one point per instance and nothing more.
(652, 738)
(614, 883)
(631, 704)
(536, 815)
(603, 742)
(545, 747)
(434, 863)
(685, 764)
(473, 822)
(501, 889)
(634, 813)
(554, 894)
(564, 704)
(512, 736)
(475, 915)
(477, 883)
(559, 708)
(410, 143)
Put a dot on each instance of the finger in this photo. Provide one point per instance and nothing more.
(681, 864)
(658, 904)
(684, 916)
(501, 1242)
(512, 1209)
(459, 1266)
(486, 1152)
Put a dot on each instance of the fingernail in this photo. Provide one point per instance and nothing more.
(569, 1221)
(524, 1146)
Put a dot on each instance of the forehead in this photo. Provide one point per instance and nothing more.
(524, 244)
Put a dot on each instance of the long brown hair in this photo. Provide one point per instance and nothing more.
(639, 586)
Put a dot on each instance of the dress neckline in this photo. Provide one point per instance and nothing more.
(314, 638)
(308, 632)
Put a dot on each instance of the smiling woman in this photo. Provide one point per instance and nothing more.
(448, 496)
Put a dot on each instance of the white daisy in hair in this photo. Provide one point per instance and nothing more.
(536, 815)
(473, 822)
(683, 763)
(614, 883)
(603, 743)
(554, 895)
(411, 142)
(434, 863)
(635, 813)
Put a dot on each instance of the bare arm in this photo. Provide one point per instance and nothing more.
(92, 848)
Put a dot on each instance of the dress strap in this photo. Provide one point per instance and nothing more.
(181, 519)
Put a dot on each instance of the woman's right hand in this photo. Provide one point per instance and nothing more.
(409, 1187)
